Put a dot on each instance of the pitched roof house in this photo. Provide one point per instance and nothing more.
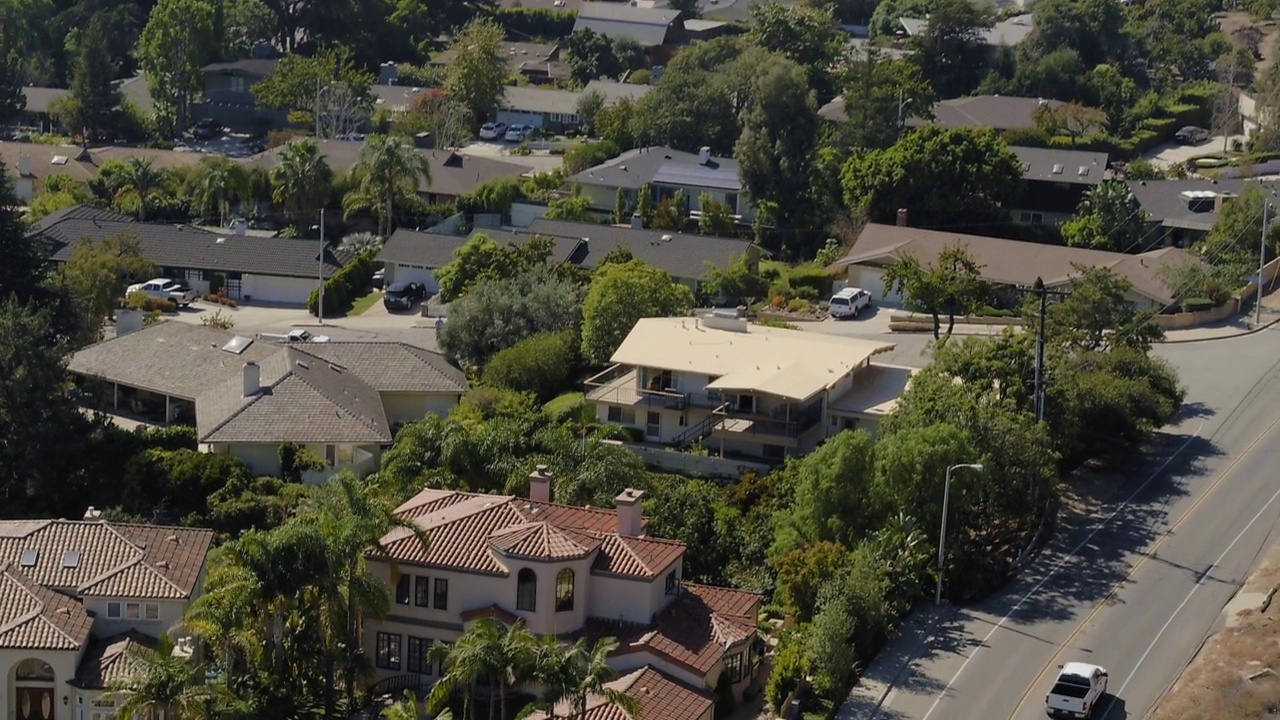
(562, 570)
(246, 397)
(659, 697)
(540, 63)
(78, 598)
(29, 164)
(998, 112)
(1055, 181)
(666, 171)
(650, 27)
(261, 269)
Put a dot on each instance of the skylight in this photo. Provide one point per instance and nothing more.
(71, 559)
(1057, 169)
(29, 557)
(237, 344)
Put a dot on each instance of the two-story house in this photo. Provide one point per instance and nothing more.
(78, 600)
(1054, 183)
(666, 172)
(746, 391)
(563, 570)
(228, 95)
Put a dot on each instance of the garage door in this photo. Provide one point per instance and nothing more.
(871, 279)
(275, 289)
(512, 117)
(418, 274)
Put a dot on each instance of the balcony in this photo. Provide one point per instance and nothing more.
(784, 426)
(620, 385)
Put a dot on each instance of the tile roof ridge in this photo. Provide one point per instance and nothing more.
(139, 561)
(7, 571)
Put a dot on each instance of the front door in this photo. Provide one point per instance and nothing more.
(653, 427)
(35, 703)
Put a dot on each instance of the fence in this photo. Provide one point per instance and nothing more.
(659, 458)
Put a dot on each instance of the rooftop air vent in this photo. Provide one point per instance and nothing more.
(1057, 169)
(1084, 171)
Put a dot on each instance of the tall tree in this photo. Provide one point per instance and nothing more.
(1096, 314)
(139, 180)
(590, 671)
(591, 57)
(802, 34)
(161, 685)
(94, 278)
(777, 142)
(880, 94)
(177, 41)
(1108, 218)
(388, 172)
(951, 285)
(219, 182)
(302, 179)
(477, 71)
(950, 49)
(619, 296)
(832, 500)
(300, 85)
(91, 107)
(12, 99)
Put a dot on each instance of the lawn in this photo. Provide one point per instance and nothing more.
(364, 303)
(560, 405)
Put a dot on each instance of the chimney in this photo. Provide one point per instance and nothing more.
(388, 73)
(704, 155)
(92, 514)
(540, 485)
(637, 221)
(629, 509)
(128, 321)
(424, 141)
(902, 217)
(1220, 201)
(252, 379)
(241, 226)
(24, 165)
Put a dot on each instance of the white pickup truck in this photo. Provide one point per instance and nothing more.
(165, 289)
(1077, 691)
(294, 336)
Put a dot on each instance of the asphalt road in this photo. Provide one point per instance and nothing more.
(1137, 586)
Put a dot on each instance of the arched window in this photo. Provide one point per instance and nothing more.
(527, 591)
(33, 669)
(564, 590)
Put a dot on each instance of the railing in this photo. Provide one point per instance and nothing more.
(695, 433)
(396, 684)
(620, 385)
(766, 425)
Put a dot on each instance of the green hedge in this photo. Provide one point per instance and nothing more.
(1197, 304)
(815, 278)
(536, 22)
(344, 287)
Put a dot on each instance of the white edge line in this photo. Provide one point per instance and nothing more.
(1199, 583)
(1057, 566)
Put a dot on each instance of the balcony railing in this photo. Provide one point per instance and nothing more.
(800, 422)
(620, 385)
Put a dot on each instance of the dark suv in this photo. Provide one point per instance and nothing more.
(401, 295)
(206, 129)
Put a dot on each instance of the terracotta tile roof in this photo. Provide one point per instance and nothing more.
(467, 531)
(36, 618)
(495, 611)
(113, 658)
(694, 631)
(101, 559)
(659, 696)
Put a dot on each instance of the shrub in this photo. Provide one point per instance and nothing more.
(276, 138)
(588, 154)
(180, 480)
(790, 665)
(542, 364)
(798, 305)
(536, 22)
(345, 286)
(1197, 304)
(218, 299)
(816, 278)
(640, 77)
(141, 301)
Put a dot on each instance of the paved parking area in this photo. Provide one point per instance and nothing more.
(1174, 153)
(538, 161)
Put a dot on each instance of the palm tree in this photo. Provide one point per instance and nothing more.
(553, 670)
(590, 671)
(161, 685)
(469, 661)
(301, 179)
(361, 243)
(407, 709)
(218, 181)
(142, 179)
(388, 170)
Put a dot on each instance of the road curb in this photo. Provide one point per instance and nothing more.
(1250, 331)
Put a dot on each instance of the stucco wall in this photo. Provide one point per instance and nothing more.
(63, 663)
(407, 407)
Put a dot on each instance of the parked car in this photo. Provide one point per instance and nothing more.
(1077, 691)
(849, 302)
(517, 133)
(165, 289)
(492, 130)
(1191, 135)
(206, 129)
(379, 278)
(294, 336)
(401, 295)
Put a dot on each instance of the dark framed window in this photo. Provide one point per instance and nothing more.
(388, 651)
(402, 590)
(422, 591)
(672, 583)
(442, 594)
(527, 591)
(733, 666)
(564, 590)
(418, 660)
(615, 414)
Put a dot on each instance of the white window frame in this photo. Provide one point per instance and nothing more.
(118, 607)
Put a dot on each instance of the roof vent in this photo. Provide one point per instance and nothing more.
(1057, 169)
(1084, 171)
(59, 160)
(173, 539)
(302, 365)
(220, 241)
(163, 564)
(29, 557)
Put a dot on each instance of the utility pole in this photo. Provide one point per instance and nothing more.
(318, 131)
(1040, 389)
(320, 303)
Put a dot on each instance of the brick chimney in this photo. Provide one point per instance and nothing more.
(252, 379)
(630, 508)
(540, 485)
(902, 217)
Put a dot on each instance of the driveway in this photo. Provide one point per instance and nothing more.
(538, 161)
(1173, 153)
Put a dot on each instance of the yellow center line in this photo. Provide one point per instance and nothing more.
(1146, 555)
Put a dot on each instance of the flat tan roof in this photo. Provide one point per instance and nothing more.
(793, 364)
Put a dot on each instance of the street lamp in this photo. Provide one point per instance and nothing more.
(320, 271)
(903, 102)
(942, 536)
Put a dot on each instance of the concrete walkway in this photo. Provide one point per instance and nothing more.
(892, 663)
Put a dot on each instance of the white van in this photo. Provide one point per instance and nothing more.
(848, 302)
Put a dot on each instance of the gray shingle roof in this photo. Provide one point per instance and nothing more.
(1074, 167)
(255, 67)
(184, 246)
(429, 250)
(647, 26)
(172, 358)
(302, 398)
(1163, 203)
(530, 98)
(394, 367)
(39, 98)
(682, 256)
(717, 174)
(641, 166)
(1000, 112)
(615, 91)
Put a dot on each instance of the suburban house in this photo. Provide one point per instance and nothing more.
(38, 111)
(1180, 212)
(80, 600)
(566, 571)
(452, 173)
(650, 27)
(30, 164)
(414, 256)
(998, 112)
(1009, 263)
(249, 269)
(1055, 182)
(540, 63)
(665, 171)
(556, 110)
(228, 96)
(657, 696)
(1005, 33)
(743, 390)
(246, 397)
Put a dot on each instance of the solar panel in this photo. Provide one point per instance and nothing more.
(237, 344)
(71, 559)
(29, 557)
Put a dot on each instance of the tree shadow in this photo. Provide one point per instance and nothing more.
(1112, 708)
(1193, 410)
